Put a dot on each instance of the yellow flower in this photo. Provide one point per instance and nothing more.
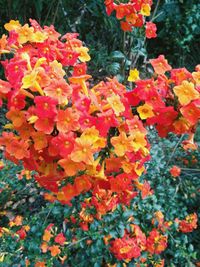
(138, 141)
(145, 10)
(133, 75)
(145, 111)
(196, 76)
(186, 93)
(25, 32)
(38, 37)
(84, 56)
(116, 104)
(12, 25)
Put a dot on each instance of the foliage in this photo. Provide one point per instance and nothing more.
(179, 43)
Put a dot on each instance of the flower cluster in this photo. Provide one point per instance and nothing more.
(132, 244)
(76, 138)
(132, 14)
(170, 102)
(189, 224)
(52, 241)
(16, 228)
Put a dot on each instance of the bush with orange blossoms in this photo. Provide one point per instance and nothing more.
(87, 142)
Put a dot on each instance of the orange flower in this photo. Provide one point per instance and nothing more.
(2, 165)
(12, 25)
(181, 125)
(192, 111)
(47, 236)
(160, 65)
(125, 248)
(186, 92)
(69, 191)
(145, 10)
(196, 76)
(67, 120)
(17, 221)
(146, 190)
(71, 167)
(44, 247)
(45, 125)
(122, 144)
(133, 75)
(16, 116)
(82, 184)
(83, 151)
(83, 51)
(150, 30)
(40, 140)
(40, 264)
(59, 90)
(138, 141)
(18, 149)
(189, 143)
(24, 33)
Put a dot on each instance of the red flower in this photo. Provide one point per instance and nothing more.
(189, 224)
(175, 171)
(125, 248)
(151, 30)
(60, 239)
(16, 101)
(22, 233)
(160, 65)
(156, 242)
(45, 106)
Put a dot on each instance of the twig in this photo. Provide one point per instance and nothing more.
(188, 169)
(47, 216)
(174, 150)
(155, 10)
(159, 14)
(77, 242)
(50, 6)
(56, 12)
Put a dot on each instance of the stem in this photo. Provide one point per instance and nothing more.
(77, 242)
(56, 12)
(47, 215)
(124, 49)
(188, 169)
(49, 9)
(174, 150)
(155, 10)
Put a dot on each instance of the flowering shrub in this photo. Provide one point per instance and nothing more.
(87, 144)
